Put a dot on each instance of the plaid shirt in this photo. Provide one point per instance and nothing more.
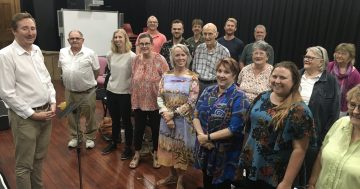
(204, 62)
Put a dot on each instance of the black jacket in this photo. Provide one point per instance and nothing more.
(324, 104)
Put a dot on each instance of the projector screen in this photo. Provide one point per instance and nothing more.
(96, 26)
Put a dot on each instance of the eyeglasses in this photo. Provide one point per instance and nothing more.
(352, 106)
(144, 44)
(152, 22)
(311, 58)
(75, 38)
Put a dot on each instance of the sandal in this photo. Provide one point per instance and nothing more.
(134, 162)
(156, 164)
(167, 181)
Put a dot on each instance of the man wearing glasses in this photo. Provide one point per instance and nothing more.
(80, 66)
(158, 38)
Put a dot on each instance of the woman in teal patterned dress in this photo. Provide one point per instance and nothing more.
(278, 132)
(178, 92)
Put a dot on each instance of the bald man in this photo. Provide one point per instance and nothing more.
(158, 38)
(207, 55)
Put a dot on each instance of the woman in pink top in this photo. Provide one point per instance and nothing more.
(147, 70)
(345, 72)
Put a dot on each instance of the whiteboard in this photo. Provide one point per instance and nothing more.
(96, 26)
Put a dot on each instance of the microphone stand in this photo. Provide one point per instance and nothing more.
(74, 109)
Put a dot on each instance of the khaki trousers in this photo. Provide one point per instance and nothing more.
(87, 108)
(31, 140)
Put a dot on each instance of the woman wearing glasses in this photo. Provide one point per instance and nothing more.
(337, 165)
(147, 70)
(320, 91)
(345, 72)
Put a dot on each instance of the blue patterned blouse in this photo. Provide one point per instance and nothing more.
(217, 113)
(267, 152)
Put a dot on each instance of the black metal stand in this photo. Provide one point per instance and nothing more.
(73, 108)
(78, 147)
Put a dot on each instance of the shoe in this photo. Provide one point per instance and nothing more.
(73, 143)
(90, 144)
(156, 164)
(126, 153)
(172, 179)
(134, 162)
(109, 148)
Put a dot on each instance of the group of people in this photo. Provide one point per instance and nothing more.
(214, 104)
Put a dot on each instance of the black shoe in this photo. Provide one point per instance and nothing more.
(109, 148)
(126, 153)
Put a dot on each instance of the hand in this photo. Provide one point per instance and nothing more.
(284, 185)
(208, 145)
(53, 107)
(170, 124)
(42, 116)
(202, 138)
(167, 115)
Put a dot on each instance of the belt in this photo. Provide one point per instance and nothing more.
(207, 81)
(43, 107)
(86, 91)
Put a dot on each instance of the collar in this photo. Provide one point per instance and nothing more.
(71, 53)
(20, 51)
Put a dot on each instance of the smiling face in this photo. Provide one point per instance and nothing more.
(259, 56)
(312, 61)
(224, 76)
(342, 57)
(25, 33)
(152, 23)
(281, 81)
(180, 58)
(145, 45)
(196, 29)
(177, 30)
(230, 28)
(119, 40)
(259, 34)
(75, 40)
(354, 111)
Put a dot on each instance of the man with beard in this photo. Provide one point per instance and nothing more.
(232, 43)
(246, 55)
(177, 30)
(158, 38)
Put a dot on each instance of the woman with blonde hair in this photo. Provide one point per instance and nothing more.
(118, 91)
(345, 72)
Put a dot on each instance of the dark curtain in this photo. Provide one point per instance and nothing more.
(292, 25)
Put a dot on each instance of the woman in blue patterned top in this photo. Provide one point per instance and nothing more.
(278, 132)
(218, 120)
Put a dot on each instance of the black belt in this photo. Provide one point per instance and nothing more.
(207, 81)
(86, 91)
(43, 107)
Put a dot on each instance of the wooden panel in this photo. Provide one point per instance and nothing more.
(7, 9)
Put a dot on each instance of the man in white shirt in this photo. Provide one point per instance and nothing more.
(80, 66)
(29, 95)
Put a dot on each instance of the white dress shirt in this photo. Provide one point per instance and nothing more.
(78, 69)
(25, 82)
(307, 86)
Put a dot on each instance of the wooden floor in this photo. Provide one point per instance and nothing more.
(98, 171)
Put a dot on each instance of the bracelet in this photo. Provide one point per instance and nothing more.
(209, 139)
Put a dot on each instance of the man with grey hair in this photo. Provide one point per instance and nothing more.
(207, 55)
(158, 38)
(80, 68)
(246, 56)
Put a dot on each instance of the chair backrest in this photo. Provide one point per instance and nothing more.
(103, 63)
(127, 28)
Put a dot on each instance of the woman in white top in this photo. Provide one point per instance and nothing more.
(118, 90)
